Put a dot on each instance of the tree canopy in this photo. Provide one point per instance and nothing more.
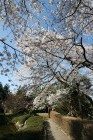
(54, 47)
(4, 91)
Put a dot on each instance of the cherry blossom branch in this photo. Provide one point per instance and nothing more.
(13, 48)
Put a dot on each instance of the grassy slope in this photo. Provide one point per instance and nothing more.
(32, 131)
(21, 119)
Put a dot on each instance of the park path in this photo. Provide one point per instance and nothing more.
(55, 132)
(52, 130)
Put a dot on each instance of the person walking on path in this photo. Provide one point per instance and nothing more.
(49, 110)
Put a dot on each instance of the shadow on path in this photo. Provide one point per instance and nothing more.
(47, 132)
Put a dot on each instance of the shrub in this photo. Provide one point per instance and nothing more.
(21, 119)
(62, 107)
(34, 123)
(88, 131)
(38, 111)
(3, 119)
(33, 129)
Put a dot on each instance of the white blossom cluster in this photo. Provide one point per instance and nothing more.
(43, 99)
(47, 98)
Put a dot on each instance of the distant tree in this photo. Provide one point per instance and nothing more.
(16, 103)
(19, 102)
(72, 109)
(4, 91)
(21, 90)
(77, 96)
(1, 91)
(77, 101)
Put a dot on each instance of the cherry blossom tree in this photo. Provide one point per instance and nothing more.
(49, 59)
(49, 36)
(52, 43)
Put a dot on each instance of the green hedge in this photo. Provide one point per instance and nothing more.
(34, 123)
(21, 119)
(33, 129)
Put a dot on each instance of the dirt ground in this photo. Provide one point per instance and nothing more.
(53, 131)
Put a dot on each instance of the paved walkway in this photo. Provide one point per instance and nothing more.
(54, 132)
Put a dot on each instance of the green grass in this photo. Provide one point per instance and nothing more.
(7, 129)
(21, 119)
(34, 123)
(33, 129)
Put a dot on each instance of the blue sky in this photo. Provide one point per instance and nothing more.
(6, 33)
